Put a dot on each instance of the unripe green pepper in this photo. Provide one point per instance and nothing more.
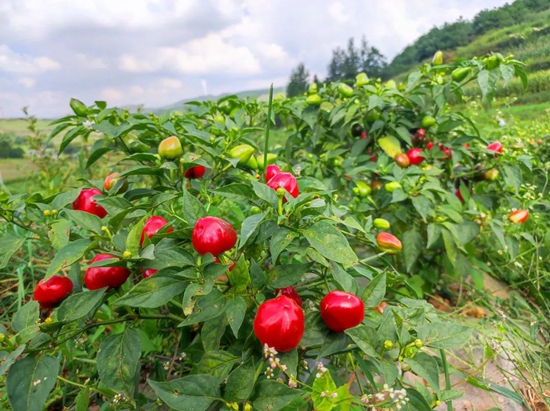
(392, 186)
(372, 115)
(243, 152)
(381, 224)
(460, 74)
(345, 90)
(491, 62)
(271, 158)
(361, 80)
(170, 148)
(391, 84)
(252, 163)
(219, 118)
(255, 210)
(437, 59)
(427, 121)
(313, 89)
(78, 107)
(491, 174)
(363, 189)
(314, 100)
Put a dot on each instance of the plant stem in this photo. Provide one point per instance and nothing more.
(268, 126)
(447, 378)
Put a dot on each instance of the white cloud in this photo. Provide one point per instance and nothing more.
(13, 62)
(336, 11)
(27, 82)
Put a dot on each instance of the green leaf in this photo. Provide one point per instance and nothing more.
(217, 364)
(280, 241)
(249, 227)
(69, 254)
(190, 393)
(449, 395)
(265, 193)
(59, 234)
(434, 232)
(79, 305)
(237, 192)
(450, 245)
(273, 396)
(134, 236)
(288, 274)
(444, 335)
(26, 316)
(425, 366)
(240, 382)
(192, 208)
(9, 359)
(423, 205)
(235, 311)
(152, 292)
(416, 402)
(512, 177)
(85, 220)
(29, 382)
(117, 360)
(390, 145)
(321, 386)
(412, 247)
(170, 256)
(329, 242)
(8, 246)
(82, 400)
(206, 307)
(346, 281)
(374, 292)
(366, 339)
(70, 136)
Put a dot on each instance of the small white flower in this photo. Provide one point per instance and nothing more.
(88, 124)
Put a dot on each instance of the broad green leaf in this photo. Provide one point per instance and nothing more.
(85, 220)
(236, 192)
(82, 400)
(79, 305)
(170, 256)
(425, 366)
(374, 292)
(265, 193)
(8, 246)
(26, 316)
(346, 281)
(280, 241)
(217, 364)
(273, 396)
(117, 360)
(59, 234)
(9, 359)
(235, 311)
(192, 208)
(288, 274)
(152, 292)
(390, 145)
(206, 307)
(434, 232)
(366, 339)
(249, 227)
(423, 205)
(412, 247)
(69, 254)
(450, 245)
(444, 335)
(333, 343)
(331, 243)
(61, 200)
(240, 383)
(416, 402)
(449, 395)
(134, 236)
(321, 385)
(29, 382)
(190, 393)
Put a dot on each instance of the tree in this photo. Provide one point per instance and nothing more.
(299, 81)
(346, 64)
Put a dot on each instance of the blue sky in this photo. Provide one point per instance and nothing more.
(156, 52)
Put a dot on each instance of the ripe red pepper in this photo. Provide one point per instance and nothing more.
(112, 179)
(364, 134)
(447, 151)
(99, 277)
(85, 202)
(415, 156)
(519, 216)
(495, 146)
(389, 243)
(51, 292)
(149, 272)
(152, 226)
(430, 145)
(341, 310)
(402, 160)
(380, 307)
(289, 292)
(271, 171)
(195, 172)
(459, 194)
(279, 323)
(286, 181)
(213, 235)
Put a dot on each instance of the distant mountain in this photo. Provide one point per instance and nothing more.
(260, 94)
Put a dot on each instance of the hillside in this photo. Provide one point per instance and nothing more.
(527, 37)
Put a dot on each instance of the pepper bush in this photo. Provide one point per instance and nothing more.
(179, 330)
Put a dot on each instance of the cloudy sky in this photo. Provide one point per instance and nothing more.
(156, 52)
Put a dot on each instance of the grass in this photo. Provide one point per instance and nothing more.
(19, 126)
(15, 169)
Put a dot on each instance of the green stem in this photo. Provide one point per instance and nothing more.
(447, 378)
(268, 126)
(280, 205)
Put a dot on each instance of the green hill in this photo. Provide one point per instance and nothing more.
(521, 28)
